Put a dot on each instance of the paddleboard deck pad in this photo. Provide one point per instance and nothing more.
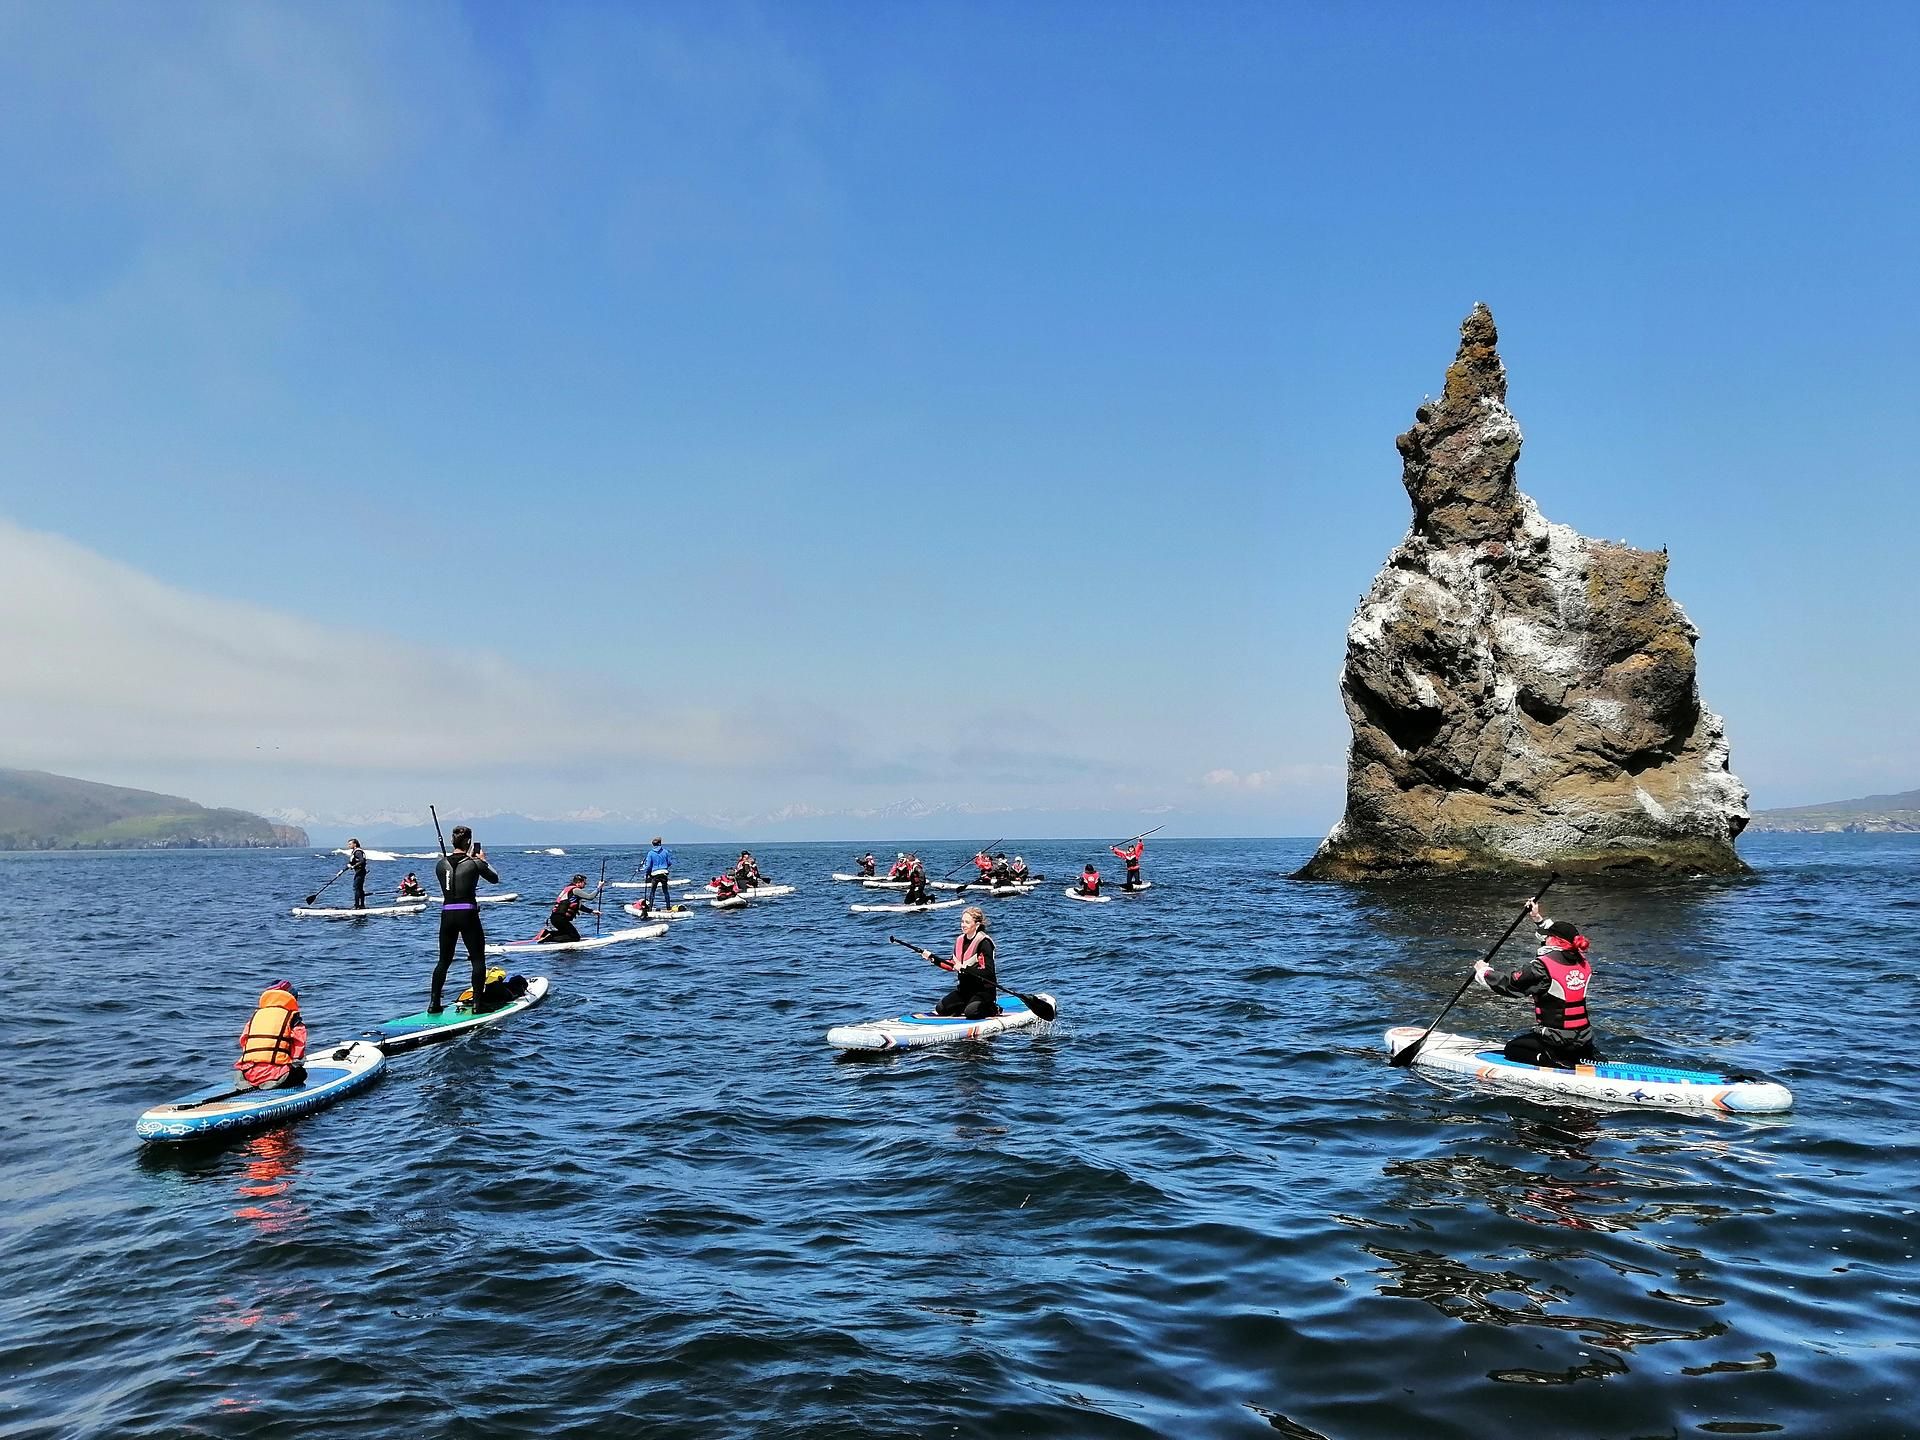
(409, 1032)
(333, 1073)
(909, 1032)
(1659, 1086)
(591, 942)
(347, 912)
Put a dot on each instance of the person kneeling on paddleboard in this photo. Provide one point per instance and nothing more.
(866, 863)
(1131, 854)
(747, 871)
(460, 875)
(274, 1040)
(972, 998)
(567, 906)
(411, 888)
(725, 887)
(917, 892)
(1556, 980)
(1018, 871)
(1089, 881)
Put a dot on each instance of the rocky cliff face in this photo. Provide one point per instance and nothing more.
(1522, 697)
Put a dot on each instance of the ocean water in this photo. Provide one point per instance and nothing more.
(1201, 1204)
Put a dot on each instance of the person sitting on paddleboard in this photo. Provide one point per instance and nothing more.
(866, 863)
(1556, 980)
(747, 870)
(1001, 873)
(972, 997)
(659, 871)
(1018, 871)
(917, 892)
(725, 887)
(1131, 854)
(274, 1041)
(898, 870)
(357, 862)
(460, 875)
(411, 888)
(1089, 880)
(983, 865)
(567, 906)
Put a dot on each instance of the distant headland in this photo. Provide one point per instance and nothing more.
(41, 811)
(1874, 814)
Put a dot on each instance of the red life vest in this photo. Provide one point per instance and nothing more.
(1131, 856)
(725, 888)
(967, 956)
(1563, 1004)
(982, 863)
(1090, 881)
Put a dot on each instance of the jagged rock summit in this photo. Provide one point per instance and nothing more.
(1522, 697)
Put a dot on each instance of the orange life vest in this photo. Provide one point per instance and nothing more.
(269, 1038)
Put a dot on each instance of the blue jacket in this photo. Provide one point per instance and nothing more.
(659, 858)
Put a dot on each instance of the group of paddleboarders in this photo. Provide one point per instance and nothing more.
(745, 875)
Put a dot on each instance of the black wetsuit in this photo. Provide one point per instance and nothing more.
(460, 919)
(357, 862)
(560, 918)
(1546, 1043)
(917, 892)
(973, 993)
(866, 866)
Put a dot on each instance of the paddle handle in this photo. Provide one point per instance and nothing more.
(1404, 1056)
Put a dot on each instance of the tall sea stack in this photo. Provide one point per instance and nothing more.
(1522, 697)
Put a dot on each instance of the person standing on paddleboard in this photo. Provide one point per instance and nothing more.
(972, 997)
(567, 906)
(357, 862)
(659, 872)
(1131, 854)
(1556, 980)
(460, 875)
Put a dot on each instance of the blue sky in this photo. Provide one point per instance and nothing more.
(749, 406)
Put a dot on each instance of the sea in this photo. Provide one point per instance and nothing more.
(1199, 1204)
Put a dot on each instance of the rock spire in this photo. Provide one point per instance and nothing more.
(1522, 697)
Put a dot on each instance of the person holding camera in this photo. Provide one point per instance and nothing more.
(460, 875)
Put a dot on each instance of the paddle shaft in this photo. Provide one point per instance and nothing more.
(446, 885)
(323, 889)
(1033, 1002)
(1144, 833)
(598, 901)
(1404, 1055)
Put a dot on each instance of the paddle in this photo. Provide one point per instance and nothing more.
(1144, 833)
(323, 889)
(339, 1054)
(446, 884)
(1036, 1003)
(1404, 1055)
(983, 850)
(598, 903)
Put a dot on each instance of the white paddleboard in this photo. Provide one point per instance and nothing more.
(591, 942)
(640, 884)
(907, 1032)
(759, 892)
(1659, 1086)
(904, 909)
(666, 912)
(1073, 894)
(347, 912)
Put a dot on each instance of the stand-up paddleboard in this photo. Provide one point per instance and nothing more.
(479, 899)
(759, 892)
(876, 883)
(1659, 1086)
(842, 875)
(661, 912)
(347, 912)
(904, 909)
(907, 1032)
(641, 884)
(1134, 889)
(333, 1073)
(1073, 894)
(410, 1032)
(591, 942)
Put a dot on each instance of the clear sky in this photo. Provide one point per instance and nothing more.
(725, 407)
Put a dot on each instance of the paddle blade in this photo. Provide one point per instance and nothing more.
(1039, 1005)
(313, 897)
(1404, 1055)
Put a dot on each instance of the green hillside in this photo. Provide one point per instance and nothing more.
(39, 811)
(1874, 813)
